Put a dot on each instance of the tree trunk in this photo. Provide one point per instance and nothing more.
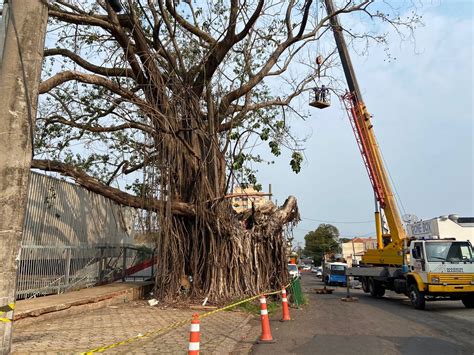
(212, 247)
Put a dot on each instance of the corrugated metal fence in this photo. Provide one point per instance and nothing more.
(73, 238)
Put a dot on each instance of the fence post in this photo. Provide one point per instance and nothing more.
(67, 268)
(101, 265)
(152, 264)
(348, 291)
(124, 264)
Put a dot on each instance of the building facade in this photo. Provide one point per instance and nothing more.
(352, 251)
(244, 197)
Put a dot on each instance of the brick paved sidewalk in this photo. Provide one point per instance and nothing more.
(221, 333)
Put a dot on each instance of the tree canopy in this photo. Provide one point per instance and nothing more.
(321, 241)
(159, 107)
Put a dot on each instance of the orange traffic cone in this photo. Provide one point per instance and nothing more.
(284, 306)
(266, 336)
(194, 336)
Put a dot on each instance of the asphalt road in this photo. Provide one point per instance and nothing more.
(390, 325)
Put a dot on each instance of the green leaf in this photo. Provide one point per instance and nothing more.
(252, 179)
(295, 163)
(275, 148)
(238, 161)
(265, 134)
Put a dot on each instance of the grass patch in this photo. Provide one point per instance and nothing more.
(305, 299)
(253, 307)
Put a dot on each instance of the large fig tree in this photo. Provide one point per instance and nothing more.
(155, 103)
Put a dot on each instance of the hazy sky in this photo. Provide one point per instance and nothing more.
(422, 105)
(423, 120)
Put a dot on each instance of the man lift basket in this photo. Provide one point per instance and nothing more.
(321, 97)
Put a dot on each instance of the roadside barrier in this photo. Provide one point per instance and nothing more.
(182, 323)
(266, 336)
(296, 292)
(284, 306)
(194, 336)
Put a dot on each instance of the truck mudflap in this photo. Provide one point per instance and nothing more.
(450, 288)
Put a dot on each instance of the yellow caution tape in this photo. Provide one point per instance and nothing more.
(129, 340)
(5, 309)
(175, 325)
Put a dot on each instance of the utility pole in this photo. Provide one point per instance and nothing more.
(353, 253)
(22, 36)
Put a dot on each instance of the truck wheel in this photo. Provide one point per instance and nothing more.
(417, 298)
(365, 285)
(468, 301)
(375, 289)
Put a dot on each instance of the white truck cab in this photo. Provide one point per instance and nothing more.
(433, 269)
(440, 267)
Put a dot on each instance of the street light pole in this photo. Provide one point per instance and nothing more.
(22, 34)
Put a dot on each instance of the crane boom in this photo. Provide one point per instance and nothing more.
(360, 119)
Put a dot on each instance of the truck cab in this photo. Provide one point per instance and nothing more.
(440, 268)
(335, 274)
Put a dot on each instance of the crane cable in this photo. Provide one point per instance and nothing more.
(398, 199)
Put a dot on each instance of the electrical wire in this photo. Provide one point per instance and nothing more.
(342, 222)
(357, 235)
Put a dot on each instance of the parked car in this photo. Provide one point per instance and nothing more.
(317, 270)
(293, 271)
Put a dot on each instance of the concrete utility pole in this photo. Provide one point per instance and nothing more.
(22, 36)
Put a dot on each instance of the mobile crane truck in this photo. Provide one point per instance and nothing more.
(422, 268)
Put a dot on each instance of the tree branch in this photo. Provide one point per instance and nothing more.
(123, 198)
(193, 29)
(89, 20)
(65, 76)
(100, 129)
(217, 54)
(250, 22)
(124, 72)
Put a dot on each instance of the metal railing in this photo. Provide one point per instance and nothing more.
(74, 238)
(45, 270)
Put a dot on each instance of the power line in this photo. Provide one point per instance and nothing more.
(345, 222)
(356, 235)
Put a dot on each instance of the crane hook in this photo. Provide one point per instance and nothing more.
(319, 61)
